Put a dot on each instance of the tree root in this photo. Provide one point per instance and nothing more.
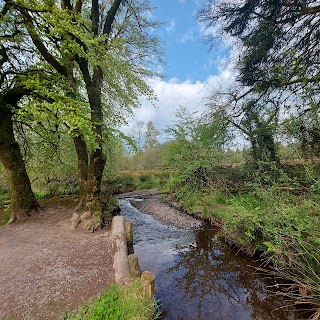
(90, 222)
(92, 225)
(75, 220)
(22, 214)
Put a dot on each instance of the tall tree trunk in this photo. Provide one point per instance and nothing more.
(90, 173)
(97, 158)
(93, 79)
(23, 200)
(96, 167)
(91, 166)
(83, 165)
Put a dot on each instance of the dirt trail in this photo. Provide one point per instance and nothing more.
(46, 268)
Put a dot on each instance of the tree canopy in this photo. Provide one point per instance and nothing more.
(280, 39)
(80, 67)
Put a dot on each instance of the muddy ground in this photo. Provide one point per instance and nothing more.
(46, 268)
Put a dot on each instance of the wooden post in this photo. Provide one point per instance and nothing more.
(120, 250)
(147, 282)
(117, 225)
(129, 235)
(134, 265)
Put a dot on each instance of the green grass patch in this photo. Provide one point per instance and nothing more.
(138, 180)
(4, 196)
(117, 303)
(4, 200)
(4, 216)
(253, 218)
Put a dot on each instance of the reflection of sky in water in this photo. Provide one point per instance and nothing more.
(197, 277)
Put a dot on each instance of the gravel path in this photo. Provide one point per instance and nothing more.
(161, 210)
(46, 268)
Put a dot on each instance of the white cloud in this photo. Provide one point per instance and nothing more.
(188, 36)
(171, 25)
(172, 94)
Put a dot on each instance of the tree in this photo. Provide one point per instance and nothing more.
(113, 52)
(151, 135)
(254, 116)
(34, 93)
(195, 146)
(23, 200)
(303, 125)
(279, 55)
(137, 132)
(13, 46)
(280, 40)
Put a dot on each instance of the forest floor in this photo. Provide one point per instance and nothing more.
(46, 268)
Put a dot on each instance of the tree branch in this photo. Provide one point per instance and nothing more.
(95, 17)
(111, 16)
(78, 6)
(37, 41)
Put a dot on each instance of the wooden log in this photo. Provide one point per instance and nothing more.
(134, 266)
(117, 225)
(147, 282)
(120, 250)
(129, 235)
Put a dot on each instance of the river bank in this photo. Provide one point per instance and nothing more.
(282, 225)
(194, 269)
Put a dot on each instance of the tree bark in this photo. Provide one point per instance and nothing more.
(97, 158)
(96, 167)
(93, 86)
(83, 164)
(23, 200)
(91, 166)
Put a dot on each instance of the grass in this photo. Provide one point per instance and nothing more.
(4, 215)
(259, 218)
(117, 303)
(138, 180)
(283, 227)
(4, 196)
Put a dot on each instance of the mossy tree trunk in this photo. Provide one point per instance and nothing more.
(23, 200)
(90, 171)
(83, 165)
(91, 165)
(93, 79)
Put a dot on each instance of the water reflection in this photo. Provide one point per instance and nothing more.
(218, 279)
(198, 277)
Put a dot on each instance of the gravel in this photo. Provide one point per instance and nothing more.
(46, 268)
(160, 209)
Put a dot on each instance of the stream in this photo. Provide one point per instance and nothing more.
(198, 277)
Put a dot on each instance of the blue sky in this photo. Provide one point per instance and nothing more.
(188, 57)
(191, 71)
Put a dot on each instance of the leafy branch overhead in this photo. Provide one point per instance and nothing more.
(89, 61)
(279, 38)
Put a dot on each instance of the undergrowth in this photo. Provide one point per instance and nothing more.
(272, 214)
(127, 181)
(4, 202)
(117, 303)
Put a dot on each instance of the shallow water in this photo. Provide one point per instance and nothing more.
(198, 277)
